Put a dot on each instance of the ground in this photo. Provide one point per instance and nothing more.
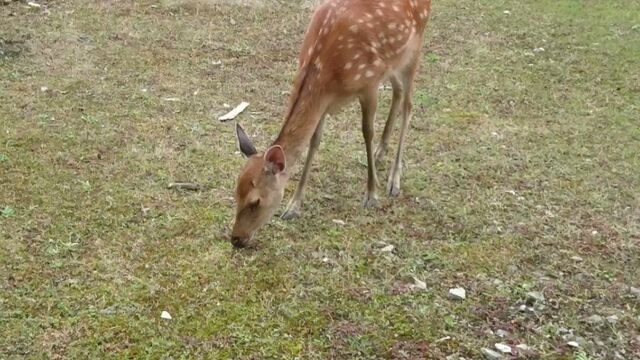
(521, 176)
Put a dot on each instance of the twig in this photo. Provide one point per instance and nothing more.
(185, 186)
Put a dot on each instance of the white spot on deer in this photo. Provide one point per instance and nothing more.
(368, 16)
(370, 25)
(348, 66)
(381, 4)
(399, 37)
(357, 77)
(353, 28)
(395, 8)
(361, 66)
(340, 46)
(356, 56)
(379, 12)
(369, 73)
(310, 51)
(392, 26)
(341, 37)
(377, 63)
(349, 46)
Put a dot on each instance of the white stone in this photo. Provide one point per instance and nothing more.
(419, 284)
(165, 315)
(388, 248)
(503, 348)
(457, 293)
(490, 354)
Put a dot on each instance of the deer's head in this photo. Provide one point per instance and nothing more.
(259, 190)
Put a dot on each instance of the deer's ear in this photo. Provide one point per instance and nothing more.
(244, 143)
(275, 159)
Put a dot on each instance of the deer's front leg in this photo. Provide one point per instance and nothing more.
(368, 103)
(295, 204)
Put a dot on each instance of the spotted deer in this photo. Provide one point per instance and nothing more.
(349, 49)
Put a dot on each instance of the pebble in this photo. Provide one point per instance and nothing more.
(635, 291)
(502, 333)
(454, 357)
(573, 344)
(490, 354)
(419, 284)
(388, 248)
(576, 258)
(165, 315)
(612, 319)
(457, 293)
(338, 222)
(534, 297)
(523, 347)
(503, 348)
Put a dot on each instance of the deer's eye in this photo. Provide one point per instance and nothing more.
(254, 204)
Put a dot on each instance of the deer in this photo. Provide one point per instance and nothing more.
(350, 47)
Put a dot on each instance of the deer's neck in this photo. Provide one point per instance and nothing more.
(303, 117)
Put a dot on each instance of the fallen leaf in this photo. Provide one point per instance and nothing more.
(235, 112)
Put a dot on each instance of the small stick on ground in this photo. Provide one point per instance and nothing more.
(185, 186)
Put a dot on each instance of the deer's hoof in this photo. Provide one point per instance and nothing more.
(371, 202)
(290, 214)
(393, 189)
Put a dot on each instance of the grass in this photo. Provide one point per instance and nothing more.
(521, 175)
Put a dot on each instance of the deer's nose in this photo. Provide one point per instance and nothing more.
(238, 242)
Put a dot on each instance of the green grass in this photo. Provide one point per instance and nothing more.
(518, 160)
